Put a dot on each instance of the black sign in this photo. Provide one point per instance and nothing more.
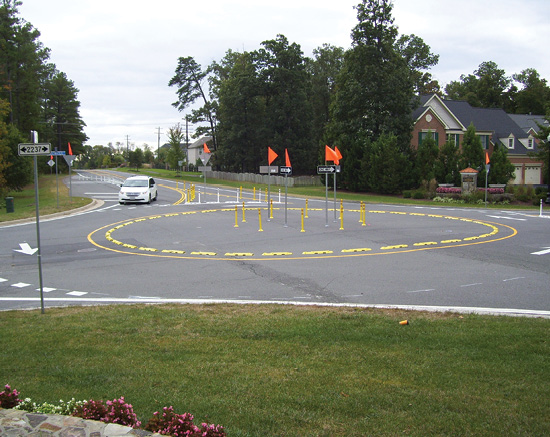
(327, 169)
(286, 170)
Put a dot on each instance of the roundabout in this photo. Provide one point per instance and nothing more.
(233, 233)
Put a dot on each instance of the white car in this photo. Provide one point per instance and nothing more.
(138, 189)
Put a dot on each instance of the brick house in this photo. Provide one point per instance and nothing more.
(449, 119)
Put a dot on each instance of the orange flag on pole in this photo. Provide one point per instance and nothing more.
(70, 150)
(287, 159)
(338, 156)
(330, 155)
(486, 157)
(271, 155)
(206, 149)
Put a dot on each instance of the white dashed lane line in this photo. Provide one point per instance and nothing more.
(22, 285)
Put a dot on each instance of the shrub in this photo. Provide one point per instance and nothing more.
(9, 398)
(91, 410)
(170, 423)
(63, 408)
(448, 190)
(115, 411)
(407, 194)
(418, 195)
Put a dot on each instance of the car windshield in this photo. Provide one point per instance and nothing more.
(135, 183)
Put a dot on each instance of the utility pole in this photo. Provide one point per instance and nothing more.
(127, 147)
(158, 146)
(187, 141)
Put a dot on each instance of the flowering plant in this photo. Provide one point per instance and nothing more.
(115, 411)
(493, 190)
(448, 190)
(9, 398)
(181, 425)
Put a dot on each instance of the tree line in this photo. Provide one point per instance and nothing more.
(360, 99)
(34, 95)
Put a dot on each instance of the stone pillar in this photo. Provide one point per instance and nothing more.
(469, 180)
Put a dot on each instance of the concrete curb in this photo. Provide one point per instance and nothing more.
(95, 203)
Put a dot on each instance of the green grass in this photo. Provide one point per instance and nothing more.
(25, 201)
(286, 370)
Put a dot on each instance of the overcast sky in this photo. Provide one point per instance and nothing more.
(121, 54)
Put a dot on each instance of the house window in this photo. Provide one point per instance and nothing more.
(530, 143)
(424, 135)
(484, 141)
(511, 142)
(455, 138)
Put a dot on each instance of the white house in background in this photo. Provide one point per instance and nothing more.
(195, 151)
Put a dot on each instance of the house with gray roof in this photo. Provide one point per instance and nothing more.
(449, 119)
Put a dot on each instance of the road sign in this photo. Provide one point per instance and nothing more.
(34, 149)
(204, 168)
(326, 169)
(205, 158)
(69, 159)
(286, 170)
(271, 169)
(57, 152)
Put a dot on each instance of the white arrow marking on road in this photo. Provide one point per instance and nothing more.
(507, 218)
(546, 251)
(26, 249)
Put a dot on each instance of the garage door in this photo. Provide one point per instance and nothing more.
(519, 175)
(532, 175)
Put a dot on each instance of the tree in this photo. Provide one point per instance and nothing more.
(419, 58)
(426, 159)
(543, 149)
(289, 116)
(388, 165)
(22, 67)
(62, 121)
(323, 70)
(447, 171)
(136, 158)
(375, 90)
(501, 170)
(472, 151)
(534, 97)
(175, 153)
(189, 79)
(242, 127)
(487, 88)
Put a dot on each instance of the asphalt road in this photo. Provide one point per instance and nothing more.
(487, 261)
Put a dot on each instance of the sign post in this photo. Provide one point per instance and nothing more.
(326, 170)
(36, 149)
(69, 160)
(286, 171)
(269, 170)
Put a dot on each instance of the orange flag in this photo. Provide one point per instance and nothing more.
(70, 150)
(287, 159)
(486, 157)
(338, 155)
(206, 149)
(271, 155)
(330, 155)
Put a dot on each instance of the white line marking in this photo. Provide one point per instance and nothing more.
(46, 289)
(457, 309)
(472, 285)
(20, 285)
(420, 291)
(77, 293)
(513, 279)
(3, 280)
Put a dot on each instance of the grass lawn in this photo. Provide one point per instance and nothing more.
(290, 370)
(25, 201)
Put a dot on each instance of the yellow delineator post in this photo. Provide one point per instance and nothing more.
(361, 212)
(303, 230)
(341, 217)
(260, 219)
(364, 214)
(254, 198)
(341, 206)
(270, 208)
(236, 217)
(244, 214)
(306, 208)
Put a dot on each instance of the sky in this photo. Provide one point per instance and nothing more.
(121, 54)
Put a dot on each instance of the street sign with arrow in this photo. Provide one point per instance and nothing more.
(34, 149)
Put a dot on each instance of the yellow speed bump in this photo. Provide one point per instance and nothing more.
(204, 253)
(317, 252)
(362, 249)
(239, 254)
(276, 253)
(397, 246)
(425, 243)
